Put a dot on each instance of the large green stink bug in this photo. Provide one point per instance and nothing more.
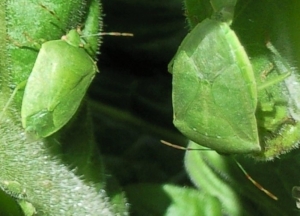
(215, 105)
(214, 90)
(57, 84)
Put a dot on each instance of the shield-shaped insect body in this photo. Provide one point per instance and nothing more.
(57, 84)
(214, 90)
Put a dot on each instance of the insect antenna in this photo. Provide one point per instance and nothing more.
(255, 183)
(126, 34)
(183, 148)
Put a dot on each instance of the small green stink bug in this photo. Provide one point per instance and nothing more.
(57, 84)
(59, 79)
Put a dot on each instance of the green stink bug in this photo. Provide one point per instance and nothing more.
(60, 77)
(215, 91)
(57, 84)
(215, 105)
